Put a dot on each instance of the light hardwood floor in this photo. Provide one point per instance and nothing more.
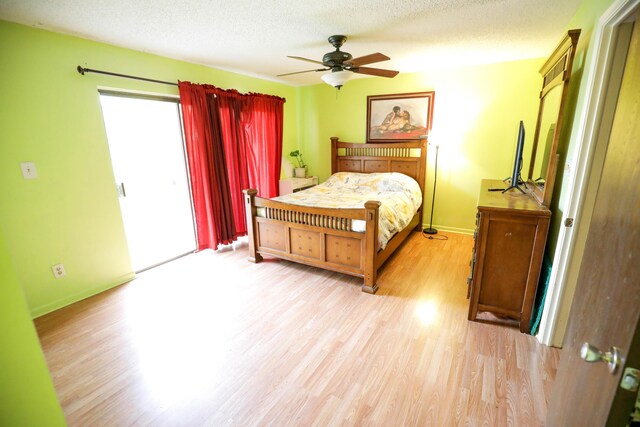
(212, 339)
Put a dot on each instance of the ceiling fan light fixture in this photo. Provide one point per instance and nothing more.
(337, 78)
(341, 65)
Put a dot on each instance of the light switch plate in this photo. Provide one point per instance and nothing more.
(29, 170)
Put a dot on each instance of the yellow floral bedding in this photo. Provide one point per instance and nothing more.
(399, 194)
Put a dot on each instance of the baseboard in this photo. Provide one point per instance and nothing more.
(450, 229)
(63, 302)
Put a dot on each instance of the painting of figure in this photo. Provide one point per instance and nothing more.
(399, 117)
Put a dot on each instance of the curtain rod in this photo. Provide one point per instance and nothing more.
(82, 70)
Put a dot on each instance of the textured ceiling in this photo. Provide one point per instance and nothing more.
(254, 37)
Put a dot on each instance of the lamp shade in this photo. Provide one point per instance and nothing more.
(337, 78)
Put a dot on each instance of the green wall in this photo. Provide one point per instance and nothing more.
(70, 214)
(50, 115)
(476, 114)
(27, 397)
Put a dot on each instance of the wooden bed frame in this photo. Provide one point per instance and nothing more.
(322, 237)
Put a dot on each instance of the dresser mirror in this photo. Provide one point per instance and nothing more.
(550, 108)
(556, 72)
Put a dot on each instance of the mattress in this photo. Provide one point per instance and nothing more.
(400, 197)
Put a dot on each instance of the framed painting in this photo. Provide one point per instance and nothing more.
(399, 117)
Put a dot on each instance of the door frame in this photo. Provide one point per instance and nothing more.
(589, 121)
(155, 96)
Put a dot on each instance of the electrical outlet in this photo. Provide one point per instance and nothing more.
(58, 271)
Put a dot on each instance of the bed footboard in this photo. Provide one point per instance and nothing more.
(320, 237)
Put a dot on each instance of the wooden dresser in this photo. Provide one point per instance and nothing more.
(511, 232)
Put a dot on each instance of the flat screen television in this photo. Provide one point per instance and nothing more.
(516, 179)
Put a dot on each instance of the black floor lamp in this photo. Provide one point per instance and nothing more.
(432, 230)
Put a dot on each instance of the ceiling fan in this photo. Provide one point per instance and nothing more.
(342, 64)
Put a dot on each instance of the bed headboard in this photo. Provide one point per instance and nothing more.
(408, 158)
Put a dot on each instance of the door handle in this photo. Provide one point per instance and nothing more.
(590, 353)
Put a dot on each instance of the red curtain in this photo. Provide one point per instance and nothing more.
(207, 168)
(234, 142)
(264, 124)
(234, 138)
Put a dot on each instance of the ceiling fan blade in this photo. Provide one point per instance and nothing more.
(300, 72)
(305, 59)
(375, 72)
(367, 59)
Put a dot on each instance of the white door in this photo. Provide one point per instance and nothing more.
(147, 153)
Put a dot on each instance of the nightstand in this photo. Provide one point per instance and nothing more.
(292, 185)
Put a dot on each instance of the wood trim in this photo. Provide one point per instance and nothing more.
(564, 47)
(249, 198)
(371, 246)
(555, 71)
(334, 154)
(535, 266)
(499, 310)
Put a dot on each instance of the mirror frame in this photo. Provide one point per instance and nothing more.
(555, 71)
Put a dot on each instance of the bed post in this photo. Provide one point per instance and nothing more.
(250, 208)
(334, 154)
(371, 247)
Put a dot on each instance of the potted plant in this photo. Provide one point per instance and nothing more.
(301, 170)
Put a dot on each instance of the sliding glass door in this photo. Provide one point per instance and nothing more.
(147, 153)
